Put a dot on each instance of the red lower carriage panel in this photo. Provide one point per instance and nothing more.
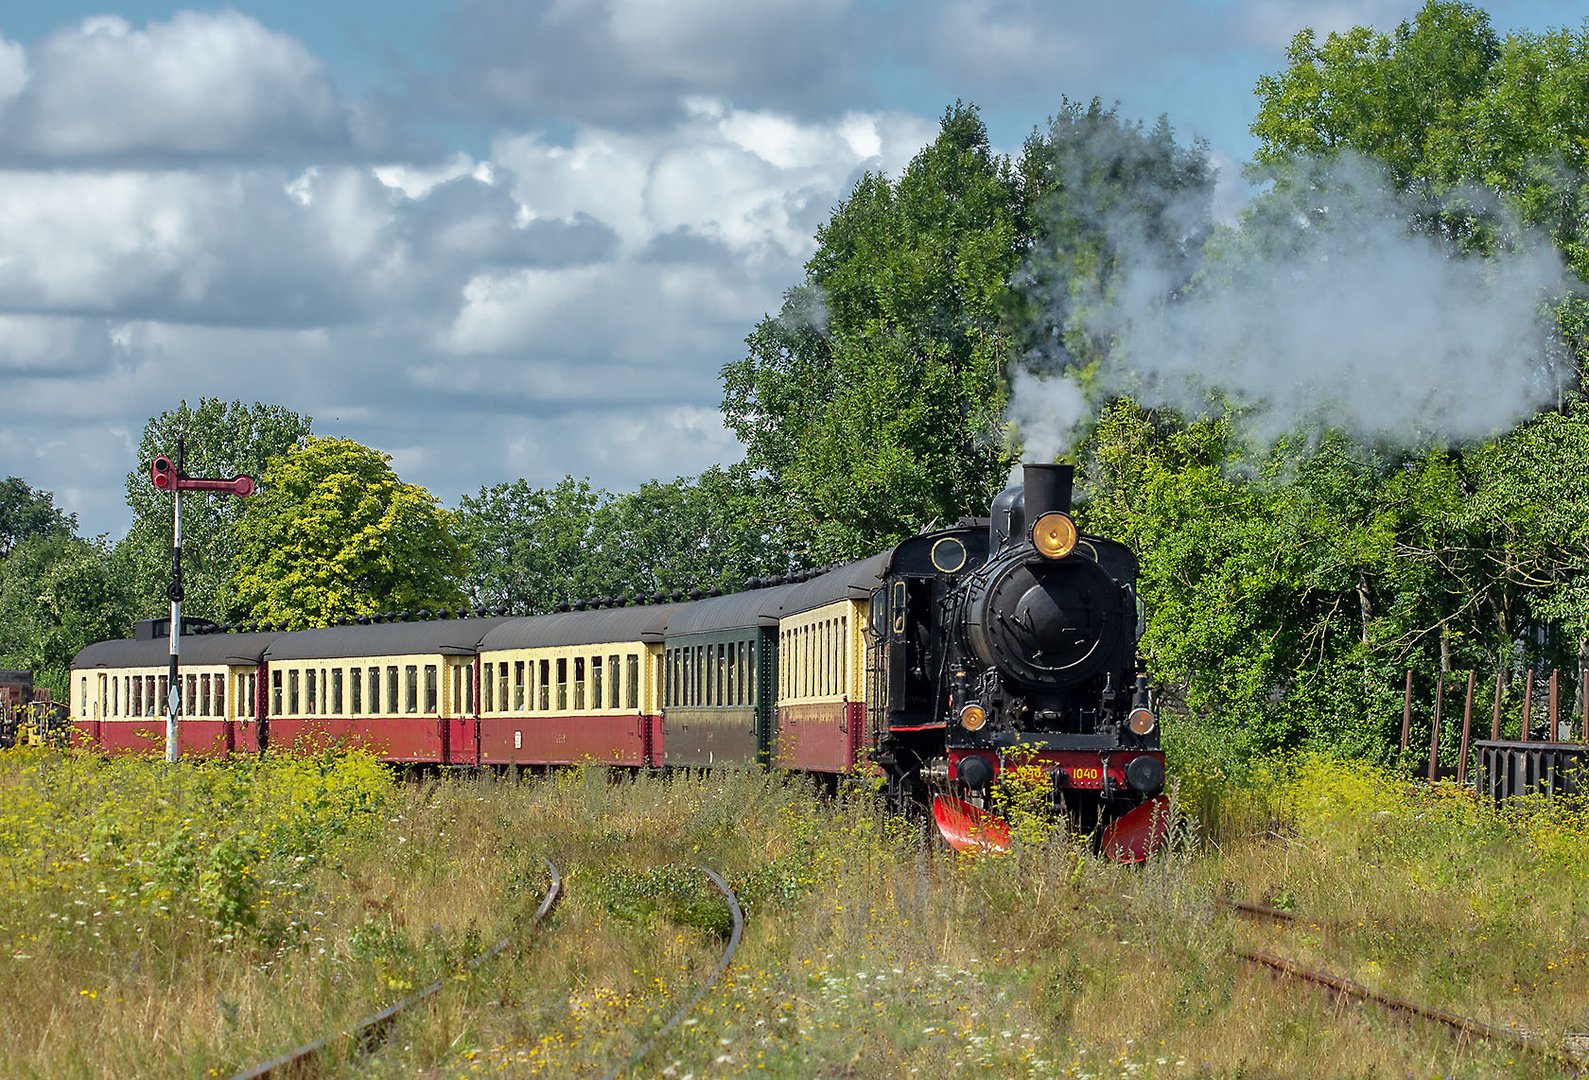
(146, 735)
(401, 738)
(819, 738)
(203, 737)
(569, 740)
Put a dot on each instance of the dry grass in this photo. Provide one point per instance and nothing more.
(869, 951)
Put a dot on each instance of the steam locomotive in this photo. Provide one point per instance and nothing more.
(941, 662)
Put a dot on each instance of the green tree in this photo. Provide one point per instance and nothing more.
(58, 593)
(221, 439)
(1404, 97)
(535, 548)
(333, 533)
(693, 533)
(873, 401)
(25, 513)
(531, 549)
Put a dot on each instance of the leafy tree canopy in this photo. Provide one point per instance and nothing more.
(333, 533)
(58, 593)
(26, 513)
(221, 439)
(535, 548)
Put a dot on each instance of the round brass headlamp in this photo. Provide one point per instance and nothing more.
(972, 717)
(1142, 721)
(1054, 535)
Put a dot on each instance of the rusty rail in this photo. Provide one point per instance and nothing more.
(369, 1033)
(1467, 1025)
(738, 915)
(1522, 1040)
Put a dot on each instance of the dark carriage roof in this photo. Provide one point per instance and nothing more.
(444, 637)
(736, 611)
(236, 650)
(852, 581)
(644, 623)
(763, 607)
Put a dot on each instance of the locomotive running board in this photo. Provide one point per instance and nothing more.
(967, 828)
(1134, 837)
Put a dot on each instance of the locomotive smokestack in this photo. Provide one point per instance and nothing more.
(1047, 488)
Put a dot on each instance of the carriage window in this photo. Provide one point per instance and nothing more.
(411, 688)
(275, 692)
(293, 678)
(431, 690)
(190, 694)
(220, 695)
(310, 687)
(545, 688)
(150, 702)
(336, 691)
(468, 689)
(633, 681)
(356, 691)
(457, 689)
(375, 690)
(502, 685)
(135, 702)
(253, 685)
(488, 686)
(595, 682)
(204, 695)
(562, 683)
(518, 685)
(392, 705)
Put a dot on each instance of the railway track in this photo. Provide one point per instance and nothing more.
(684, 1010)
(1467, 1026)
(368, 1034)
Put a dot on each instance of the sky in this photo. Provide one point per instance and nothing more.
(501, 239)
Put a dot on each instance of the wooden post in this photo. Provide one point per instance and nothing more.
(1467, 730)
(1554, 730)
(1434, 727)
(1406, 710)
(1528, 704)
(1495, 722)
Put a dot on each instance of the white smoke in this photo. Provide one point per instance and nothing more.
(1326, 308)
(1047, 412)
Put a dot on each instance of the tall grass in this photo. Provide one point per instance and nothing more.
(246, 907)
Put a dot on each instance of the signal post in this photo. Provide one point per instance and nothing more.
(169, 475)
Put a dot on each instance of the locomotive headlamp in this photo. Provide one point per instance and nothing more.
(973, 718)
(1142, 722)
(1054, 535)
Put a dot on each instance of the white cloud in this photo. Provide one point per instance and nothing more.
(204, 85)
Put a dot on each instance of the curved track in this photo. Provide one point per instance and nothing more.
(711, 980)
(369, 1033)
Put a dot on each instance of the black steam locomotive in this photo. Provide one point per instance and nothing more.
(1013, 640)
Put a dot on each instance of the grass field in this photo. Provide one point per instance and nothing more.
(191, 921)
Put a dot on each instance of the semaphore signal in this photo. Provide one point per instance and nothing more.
(169, 475)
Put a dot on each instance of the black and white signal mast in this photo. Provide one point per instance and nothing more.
(170, 476)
